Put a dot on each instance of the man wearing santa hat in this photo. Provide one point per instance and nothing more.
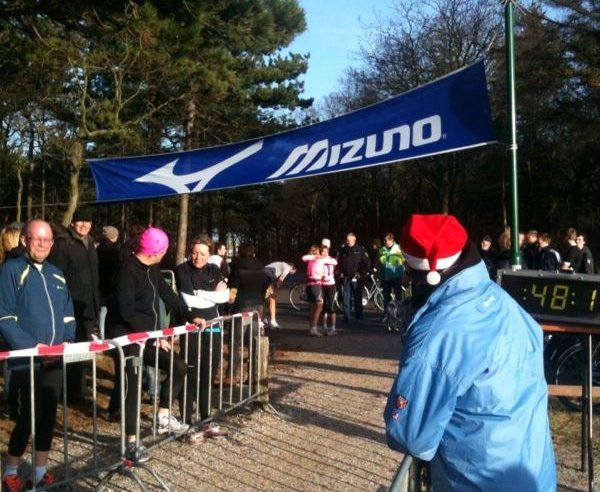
(470, 396)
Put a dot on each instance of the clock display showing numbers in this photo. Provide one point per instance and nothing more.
(559, 297)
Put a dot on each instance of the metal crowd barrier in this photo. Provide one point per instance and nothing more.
(97, 451)
(411, 476)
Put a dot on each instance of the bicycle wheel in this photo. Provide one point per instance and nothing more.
(298, 298)
(569, 371)
(365, 296)
(378, 299)
(338, 300)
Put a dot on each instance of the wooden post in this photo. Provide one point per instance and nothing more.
(263, 376)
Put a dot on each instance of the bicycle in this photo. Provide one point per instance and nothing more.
(298, 297)
(372, 292)
(565, 360)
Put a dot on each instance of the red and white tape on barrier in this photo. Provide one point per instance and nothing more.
(97, 345)
(142, 336)
(54, 350)
(101, 345)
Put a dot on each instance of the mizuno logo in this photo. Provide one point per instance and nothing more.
(308, 158)
(320, 154)
(165, 175)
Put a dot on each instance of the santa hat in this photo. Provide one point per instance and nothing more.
(432, 242)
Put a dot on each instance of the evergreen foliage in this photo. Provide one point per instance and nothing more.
(87, 78)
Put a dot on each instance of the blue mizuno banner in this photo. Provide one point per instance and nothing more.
(449, 114)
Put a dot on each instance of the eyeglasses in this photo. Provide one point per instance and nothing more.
(40, 240)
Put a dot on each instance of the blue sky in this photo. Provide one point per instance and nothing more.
(335, 29)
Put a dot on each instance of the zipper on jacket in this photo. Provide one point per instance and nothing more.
(50, 305)
(153, 299)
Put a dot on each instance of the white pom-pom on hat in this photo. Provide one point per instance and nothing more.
(432, 242)
(433, 277)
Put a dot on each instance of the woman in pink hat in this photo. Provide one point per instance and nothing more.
(135, 307)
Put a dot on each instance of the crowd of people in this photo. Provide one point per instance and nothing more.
(60, 285)
(346, 274)
(537, 252)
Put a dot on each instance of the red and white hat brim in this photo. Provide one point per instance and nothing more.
(423, 263)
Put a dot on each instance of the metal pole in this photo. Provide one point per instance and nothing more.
(512, 129)
(590, 410)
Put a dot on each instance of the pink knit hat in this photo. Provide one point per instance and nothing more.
(153, 241)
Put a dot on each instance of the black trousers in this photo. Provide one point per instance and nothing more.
(131, 381)
(389, 286)
(77, 371)
(200, 344)
(48, 386)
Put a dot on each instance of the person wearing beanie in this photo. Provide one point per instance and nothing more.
(136, 307)
(75, 254)
(470, 396)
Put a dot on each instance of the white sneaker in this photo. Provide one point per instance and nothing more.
(274, 325)
(314, 332)
(168, 423)
(331, 332)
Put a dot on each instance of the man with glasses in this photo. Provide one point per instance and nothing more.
(35, 311)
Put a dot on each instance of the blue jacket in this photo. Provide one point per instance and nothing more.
(471, 396)
(35, 305)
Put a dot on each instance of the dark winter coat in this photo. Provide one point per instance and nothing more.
(135, 305)
(77, 258)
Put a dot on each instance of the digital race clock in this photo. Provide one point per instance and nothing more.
(559, 297)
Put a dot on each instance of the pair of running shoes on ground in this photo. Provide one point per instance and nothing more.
(14, 483)
(140, 454)
(319, 332)
(169, 423)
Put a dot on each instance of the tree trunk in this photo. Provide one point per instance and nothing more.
(184, 201)
(19, 187)
(123, 222)
(184, 204)
(76, 158)
(30, 153)
(445, 187)
(150, 220)
(43, 193)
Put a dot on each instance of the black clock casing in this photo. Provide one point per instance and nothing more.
(558, 297)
